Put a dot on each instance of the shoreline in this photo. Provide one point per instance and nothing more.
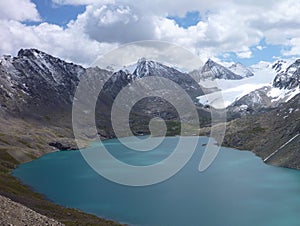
(70, 212)
(39, 203)
(18, 192)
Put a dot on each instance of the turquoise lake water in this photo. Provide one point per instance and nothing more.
(238, 189)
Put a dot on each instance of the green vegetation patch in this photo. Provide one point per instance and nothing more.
(258, 129)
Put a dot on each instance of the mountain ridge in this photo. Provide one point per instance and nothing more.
(214, 70)
(39, 87)
(36, 95)
(285, 85)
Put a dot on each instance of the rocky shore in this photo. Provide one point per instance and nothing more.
(12, 213)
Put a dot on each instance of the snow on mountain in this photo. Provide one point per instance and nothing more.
(270, 85)
(33, 74)
(146, 68)
(261, 65)
(282, 95)
(284, 87)
(241, 70)
(129, 68)
(279, 65)
(252, 102)
(288, 78)
(231, 90)
(226, 88)
(213, 70)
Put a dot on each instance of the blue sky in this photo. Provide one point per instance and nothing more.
(268, 53)
(239, 31)
(265, 53)
(57, 14)
(189, 19)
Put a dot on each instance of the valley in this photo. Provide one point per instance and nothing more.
(37, 92)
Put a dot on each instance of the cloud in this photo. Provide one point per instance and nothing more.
(20, 10)
(294, 47)
(230, 27)
(65, 43)
(244, 54)
(260, 47)
(115, 23)
(164, 52)
(78, 2)
(224, 27)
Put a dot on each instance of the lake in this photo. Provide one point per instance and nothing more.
(237, 189)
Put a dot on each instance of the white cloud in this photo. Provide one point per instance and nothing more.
(225, 27)
(65, 43)
(20, 10)
(244, 54)
(260, 47)
(294, 47)
(115, 23)
(79, 2)
(164, 52)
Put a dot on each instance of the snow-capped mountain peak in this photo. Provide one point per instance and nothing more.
(279, 65)
(284, 87)
(30, 53)
(213, 70)
(240, 69)
(35, 74)
(146, 67)
(288, 78)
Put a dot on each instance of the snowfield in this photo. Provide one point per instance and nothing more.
(264, 75)
(232, 90)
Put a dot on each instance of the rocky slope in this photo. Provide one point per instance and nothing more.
(241, 70)
(268, 133)
(12, 213)
(37, 91)
(270, 124)
(147, 68)
(35, 81)
(36, 96)
(283, 88)
(267, 119)
(213, 70)
(289, 78)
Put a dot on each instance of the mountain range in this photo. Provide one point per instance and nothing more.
(266, 119)
(37, 92)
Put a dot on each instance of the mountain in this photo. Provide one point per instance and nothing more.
(241, 70)
(288, 78)
(35, 80)
(37, 92)
(36, 95)
(38, 89)
(279, 65)
(270, 125)
(145, 68)
(220, 84)
(283, 88)
(272, 135)
(229, 91)
(256, 101)
(266, 119)
(213, 70)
